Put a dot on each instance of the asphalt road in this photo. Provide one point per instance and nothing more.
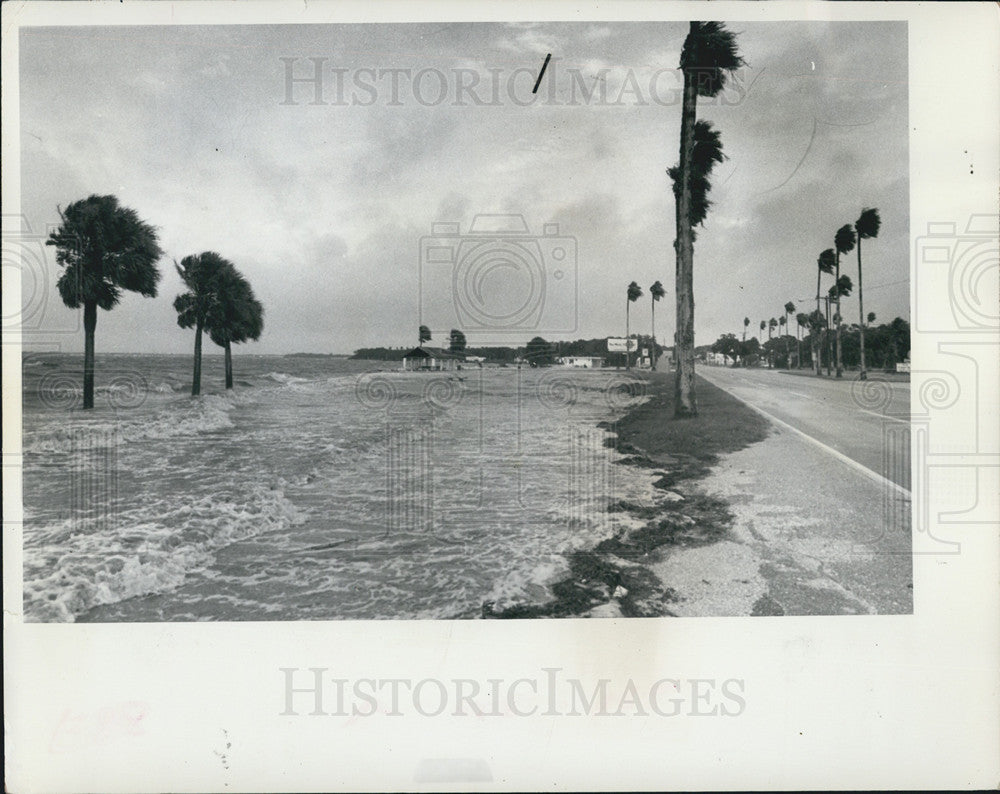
(866, 421)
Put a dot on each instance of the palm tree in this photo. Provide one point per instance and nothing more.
(709, 56)
(656, 292)
(425, 334)
(771, 325)
(238, 316)
(203, 275)
(801, 319)
(746, 324)
(763, 325)
(105, 248)
(782, 321)
(871, 315)
(816, 327)
(826, 263)
(867, 226)
(843, 241)
(456, 341)
(633, 294)
(789, 311)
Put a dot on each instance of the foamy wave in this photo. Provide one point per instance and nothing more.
(206, 415)
(142, 557)
(285, 378)
(529, 586)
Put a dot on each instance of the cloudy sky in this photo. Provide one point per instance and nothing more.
(323, 205)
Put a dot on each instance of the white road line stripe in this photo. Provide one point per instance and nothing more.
(829, 450)
(883, 416)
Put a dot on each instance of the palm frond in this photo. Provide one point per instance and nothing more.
(844, 239)
(709, 55)
(706, 152)
(868, 224)
(109, 248)
(827, 261)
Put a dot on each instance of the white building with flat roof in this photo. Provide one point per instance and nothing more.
(582, 362)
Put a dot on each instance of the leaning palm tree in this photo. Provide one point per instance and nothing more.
(867, 226)
(826, 263)
(634, 293)
(708, 58)
(843, 241)
(656, 292)
(105, 248)
(801, 319)
(238, 316)
(203, 275)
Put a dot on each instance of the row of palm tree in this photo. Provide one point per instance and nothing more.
(219, 302)
(633, 293)
(846, 239)
(106, 249)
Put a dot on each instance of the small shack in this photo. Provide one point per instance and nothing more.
(431, 358)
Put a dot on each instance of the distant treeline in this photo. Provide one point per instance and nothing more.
(500, 354)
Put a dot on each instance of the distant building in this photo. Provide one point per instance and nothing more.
(431, 358)
(582, 362)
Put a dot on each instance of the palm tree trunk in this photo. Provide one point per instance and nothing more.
(196, 380)
(652, 331)
(861, 309)
(628, 354)
(229, 365)
(89, 326)
(685, 401)
(816, 339)
(829, 342)
(840, 364)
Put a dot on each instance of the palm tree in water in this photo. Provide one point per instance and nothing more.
(104, 249)
(202, 274)
(239, 316)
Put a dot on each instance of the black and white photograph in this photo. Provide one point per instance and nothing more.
(589, 337)
(398, 321)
